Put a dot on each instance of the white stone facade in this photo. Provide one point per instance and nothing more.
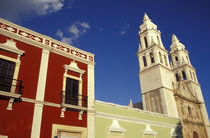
(159, 79)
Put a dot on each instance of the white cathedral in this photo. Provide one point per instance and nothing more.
(170, 88)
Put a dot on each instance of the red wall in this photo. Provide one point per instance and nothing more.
(29, 68)
(17, 123)
(54, 84)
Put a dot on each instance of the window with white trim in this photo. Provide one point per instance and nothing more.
(10, 87)
(63, 134)
(72, 90)
(66, 131)
(72, 95)
(6, 74)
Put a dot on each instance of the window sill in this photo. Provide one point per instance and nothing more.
(10, 94)
(74, 107)
(80, 108)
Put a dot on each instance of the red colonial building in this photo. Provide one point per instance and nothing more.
(46, 86)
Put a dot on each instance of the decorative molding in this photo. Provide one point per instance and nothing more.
(115, 127)
(66, 128)
(91, 99)
(80, 115)
(146, 69)
(40, 93)
(2, 136)
(10, 94)
(149, 131)
(151, 47)
(132, 119)
(10, 45)
(32, 36)
(63, 109)
(173, 133)
(73, 67)
(134, 109)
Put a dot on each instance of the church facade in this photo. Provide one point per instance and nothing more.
(170, 88)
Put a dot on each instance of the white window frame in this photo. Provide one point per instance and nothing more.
(10, 46)
(71, 129)
(74, 68)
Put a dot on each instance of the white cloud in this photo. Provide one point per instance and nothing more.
(74, 32)
(125, 29)
(17, 9)
(59, 33)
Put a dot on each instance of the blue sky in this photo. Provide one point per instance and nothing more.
(109, 29)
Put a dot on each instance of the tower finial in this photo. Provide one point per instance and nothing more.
(146, 17)
(174, 38)
(130, 104)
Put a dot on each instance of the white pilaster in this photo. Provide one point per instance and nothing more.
(38, 107)
(91, 102)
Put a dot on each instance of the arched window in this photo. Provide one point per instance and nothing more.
(145, 40)
(195, 134)
(152, 57)
(160, 55)
(187, 59)
(184, 75)
(158, 39)
(191, 74)
(177, 76)
(176, 58)
(145, 61)
(189, 111)
(166, 62)
(194, 76)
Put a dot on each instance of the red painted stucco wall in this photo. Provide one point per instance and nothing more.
(17, 123)
(54, 85)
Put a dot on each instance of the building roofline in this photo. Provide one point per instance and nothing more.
(134, 109)
(41, 39)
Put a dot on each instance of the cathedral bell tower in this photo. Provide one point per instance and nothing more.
(155, 73)
(188, 94)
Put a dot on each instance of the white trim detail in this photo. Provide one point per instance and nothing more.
(132, 120)
(73, 67)
(10, 45)
(134, 109)
(2, 136)
(91, 102)
(56, 128)
(149, 131)
(38, 40)
(115, 127)
(12, 95)
(38, 109)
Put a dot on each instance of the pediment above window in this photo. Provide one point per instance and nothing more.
(74, 67)
(149, 131)
(10, 45)
(115, 127)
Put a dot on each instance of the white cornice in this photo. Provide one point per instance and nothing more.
(133, 120)
(36, 39)
(153, 67)
(132, 109)
(150, 48)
